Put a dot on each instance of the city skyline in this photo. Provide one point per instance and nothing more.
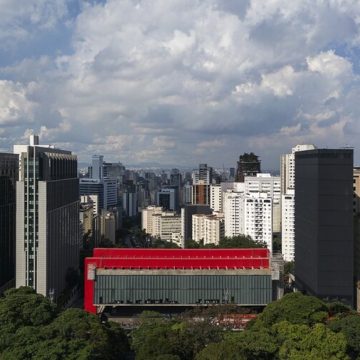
(180, 82)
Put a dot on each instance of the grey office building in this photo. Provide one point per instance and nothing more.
(47, 223)
(168, 198)
(324, 223)
(9, 165)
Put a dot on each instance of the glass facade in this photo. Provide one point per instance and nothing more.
(31, 177)
(8, 176)
(183, 289)
(47, 219)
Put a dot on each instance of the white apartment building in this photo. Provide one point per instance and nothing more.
(287, 175)
(287, 170)
(146, 217)
(288, 224)
(208, 228)
(258, 218)
(264, 182)
(217, 194)
(216, 198)
(249, 214)
(233, 213)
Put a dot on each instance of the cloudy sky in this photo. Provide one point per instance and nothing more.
(178, 82)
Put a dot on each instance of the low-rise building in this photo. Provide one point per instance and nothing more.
(209, 229)
(161, 224)
(168, 278)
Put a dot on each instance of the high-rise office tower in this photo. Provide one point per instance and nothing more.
(97, 169)
(201, 181)
(356, 211)
(47, 222)
(187, 194)
(175, 178)
(114, 170)
(105, 189)
(100, 183)
(324, 243)
(9, 166)
(168, 197)
(201, 194)
(130, 203)
(248, 165)
(204, 175)
(287, 175)
(176, 183)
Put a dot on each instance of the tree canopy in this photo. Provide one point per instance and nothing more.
(293, 328)
(31, 328)
(349, 326)
(295, 308)
(239, 241)
(158, 338)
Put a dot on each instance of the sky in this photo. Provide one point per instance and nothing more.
(179, 82)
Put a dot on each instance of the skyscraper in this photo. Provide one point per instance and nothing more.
(201, 181)
(175, 178)
(9, 165)
(203, 174)
(47, 223)
(287, 167)
(105, 189)
(97, 169)
(324, 243)
(100, 183)
(356, 211)
(167, 198)
(287, 175)
(176, 182)
(248, 165)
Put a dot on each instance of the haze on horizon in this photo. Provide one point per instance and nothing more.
(180, 82)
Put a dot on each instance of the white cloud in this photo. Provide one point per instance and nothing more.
(19, 20)
(329, 64)
(281, 83)
(178, 81)
(15, 107)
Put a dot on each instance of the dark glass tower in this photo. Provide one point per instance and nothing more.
(248, 165)
(9, 165)
(324, 243)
